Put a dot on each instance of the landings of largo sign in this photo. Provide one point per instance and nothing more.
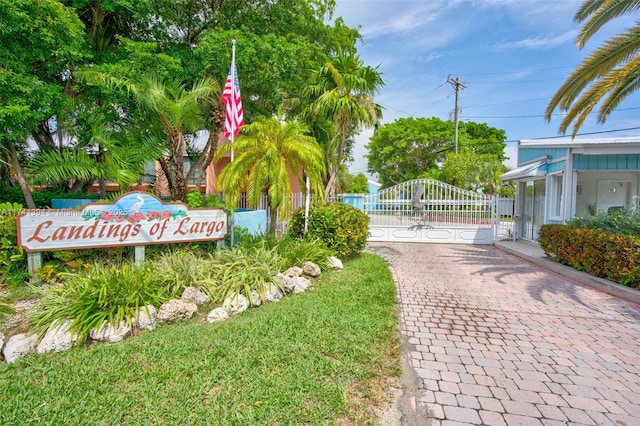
(135, 219)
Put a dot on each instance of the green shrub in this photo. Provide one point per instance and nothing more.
(619, 222)
(296, 252)
(5, 308)
(342, 228)
(241, 271)
(103, 293)
(599, 253)
(41, 199)
(177, 269)
(195, 199)
(13, 263)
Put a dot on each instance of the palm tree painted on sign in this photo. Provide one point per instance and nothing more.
(264, 154)
(608, 75)
(343, 92)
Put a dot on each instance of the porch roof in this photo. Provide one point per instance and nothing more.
(532, 169)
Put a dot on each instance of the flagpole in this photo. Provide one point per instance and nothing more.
(233, 124)
(233, 94)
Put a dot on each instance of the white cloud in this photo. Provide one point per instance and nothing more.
(538, 42)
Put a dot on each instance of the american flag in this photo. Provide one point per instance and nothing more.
(233, 119)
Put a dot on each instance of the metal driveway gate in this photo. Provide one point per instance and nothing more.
(425, 210)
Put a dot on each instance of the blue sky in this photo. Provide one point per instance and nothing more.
(512, 55)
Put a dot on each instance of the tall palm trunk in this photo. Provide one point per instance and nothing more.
(178, 149)
(273, 220)
(330, 189)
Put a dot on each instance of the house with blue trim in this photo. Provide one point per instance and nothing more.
(558, 179)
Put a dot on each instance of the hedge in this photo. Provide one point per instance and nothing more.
(596, 252)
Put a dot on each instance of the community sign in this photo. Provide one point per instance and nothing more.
(136, 218)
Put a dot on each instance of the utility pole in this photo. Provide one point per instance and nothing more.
(457, 85)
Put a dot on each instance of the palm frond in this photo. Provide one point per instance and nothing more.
(597, 13)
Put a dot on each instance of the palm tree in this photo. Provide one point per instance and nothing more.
(113, 155)
(608, 75)
(264, 155)
(174, 109)
(343, 92)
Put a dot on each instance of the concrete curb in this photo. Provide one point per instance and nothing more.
(601, 284)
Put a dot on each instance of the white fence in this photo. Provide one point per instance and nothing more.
(440, 205)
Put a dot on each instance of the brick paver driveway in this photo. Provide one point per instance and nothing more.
(495, 340)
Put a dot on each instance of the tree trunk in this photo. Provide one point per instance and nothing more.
(180, 189)
(15, 163)
(273, 220)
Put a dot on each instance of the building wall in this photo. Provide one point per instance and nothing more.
(607, 162)
(526, 155)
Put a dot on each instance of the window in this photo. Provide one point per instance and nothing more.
(556, 196)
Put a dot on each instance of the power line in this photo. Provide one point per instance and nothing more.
(538, 115)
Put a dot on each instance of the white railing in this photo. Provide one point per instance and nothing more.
(421, 203)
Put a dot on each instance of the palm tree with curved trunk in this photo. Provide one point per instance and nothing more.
(265, 154)
(343, 92)
(608, 75)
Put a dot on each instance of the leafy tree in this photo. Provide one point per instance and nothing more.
(471, 171)
(608, 75)
(482, 139)
(343, 91)
(407, 148)
(39, 44)
(410, 148)
(266, 152)
(358, 184)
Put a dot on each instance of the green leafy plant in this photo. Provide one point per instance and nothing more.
(342, 228)
(195, 199)
(177, 269)
(241, 271)
(5, 308)
(599, 253)
(619, 222)
(296, 252)
(103, 293)
(13, 264)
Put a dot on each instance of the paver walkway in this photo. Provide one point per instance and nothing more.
(495, 340)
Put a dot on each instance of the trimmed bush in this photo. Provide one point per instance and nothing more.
(599, 253)
(342, 228)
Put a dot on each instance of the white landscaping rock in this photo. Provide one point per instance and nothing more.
(311, 269)
(293, 272)
(236, 304)
(147, 318)
(58, 338)
(176, 309)
(19, 346)
(272, 293)
(218, 314)
(293, 284)
(334, 263)
(255, 299)
(192, 294)
(109, 333)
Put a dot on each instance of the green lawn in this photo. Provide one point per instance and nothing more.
(321, 357)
